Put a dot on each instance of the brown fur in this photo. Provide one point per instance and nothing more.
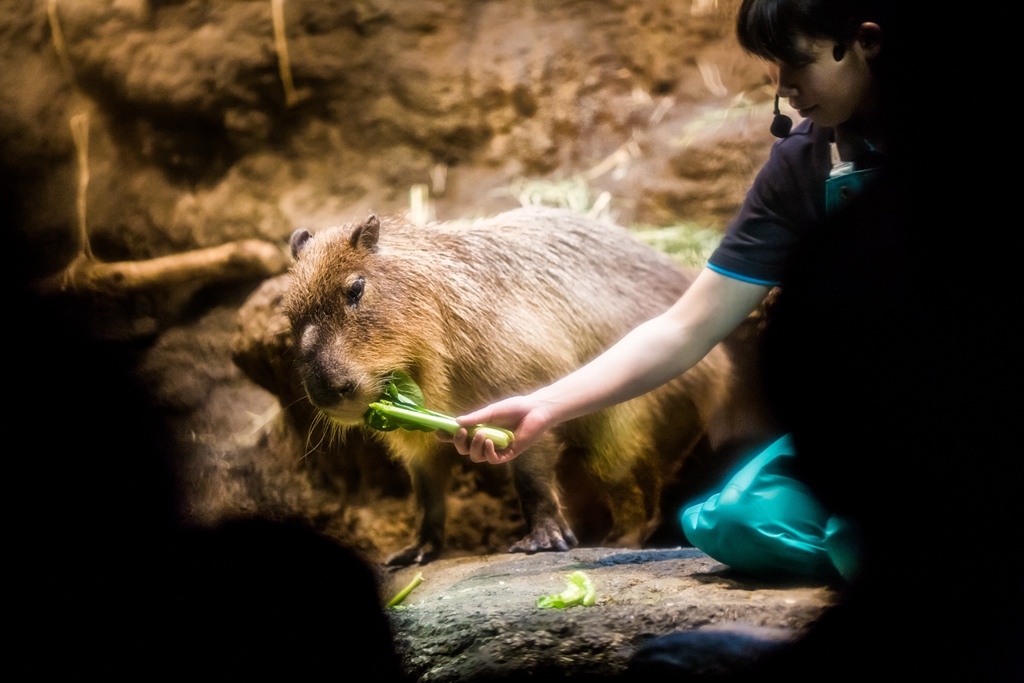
(478, 311)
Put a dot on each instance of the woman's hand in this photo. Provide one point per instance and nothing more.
(519, 414)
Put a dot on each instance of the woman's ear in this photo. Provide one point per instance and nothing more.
(869, 36)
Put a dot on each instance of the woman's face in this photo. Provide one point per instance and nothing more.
(833, 84)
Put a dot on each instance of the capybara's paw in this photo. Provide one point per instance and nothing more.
(546, 536)
(413, 554)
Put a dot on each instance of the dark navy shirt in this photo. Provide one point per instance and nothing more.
(786, 201)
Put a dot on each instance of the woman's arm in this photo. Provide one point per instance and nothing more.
(650, 355)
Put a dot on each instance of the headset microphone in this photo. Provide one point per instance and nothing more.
(781, 124)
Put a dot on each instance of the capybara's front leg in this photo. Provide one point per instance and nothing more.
(547, 529)
(430, 488)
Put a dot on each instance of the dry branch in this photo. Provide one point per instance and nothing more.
(232, 261)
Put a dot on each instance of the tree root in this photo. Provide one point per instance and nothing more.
(232, 261)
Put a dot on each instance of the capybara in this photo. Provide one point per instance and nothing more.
(477, 310)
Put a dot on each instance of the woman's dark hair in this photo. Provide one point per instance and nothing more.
(770, 28)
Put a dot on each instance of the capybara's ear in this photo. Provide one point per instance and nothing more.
(298, 241)
(366, 234)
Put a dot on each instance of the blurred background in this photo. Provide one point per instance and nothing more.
(156, 155)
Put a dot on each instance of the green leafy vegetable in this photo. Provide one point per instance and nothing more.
(401, 407)
(580, 591)
(404, 593)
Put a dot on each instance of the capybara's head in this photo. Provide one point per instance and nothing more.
(357, 310)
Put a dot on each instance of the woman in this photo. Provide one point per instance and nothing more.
(765, 521)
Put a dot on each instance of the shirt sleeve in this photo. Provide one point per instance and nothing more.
(786, 200)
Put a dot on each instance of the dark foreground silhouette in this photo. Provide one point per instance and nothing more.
(105, 578)
(888, 360)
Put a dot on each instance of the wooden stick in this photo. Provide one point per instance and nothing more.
(80, 133)
(281, 45)
(58, 39)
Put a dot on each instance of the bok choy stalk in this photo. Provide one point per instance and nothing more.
(401, 407)
(404, 593)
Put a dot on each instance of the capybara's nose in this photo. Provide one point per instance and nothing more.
(328, 391)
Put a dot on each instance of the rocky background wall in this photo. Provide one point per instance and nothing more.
(156, 155)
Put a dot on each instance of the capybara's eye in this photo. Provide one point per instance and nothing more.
(355, 292)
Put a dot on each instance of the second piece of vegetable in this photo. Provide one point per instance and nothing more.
(580, 591)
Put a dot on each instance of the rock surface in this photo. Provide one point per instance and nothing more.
(477, 619)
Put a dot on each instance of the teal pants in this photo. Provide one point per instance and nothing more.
(766, 523)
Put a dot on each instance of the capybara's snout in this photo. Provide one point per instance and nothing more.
(327, 389)
(335, 392)
(335, 387)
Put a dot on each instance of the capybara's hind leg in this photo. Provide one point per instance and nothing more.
(632, 523)
(547, 528)
(430, 487)
(631, 483)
